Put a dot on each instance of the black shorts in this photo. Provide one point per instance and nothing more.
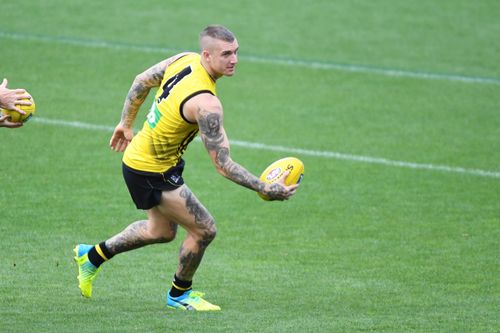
(145, 187)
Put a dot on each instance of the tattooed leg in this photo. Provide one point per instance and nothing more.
(200, 234)
(136, 235)
(190, 256)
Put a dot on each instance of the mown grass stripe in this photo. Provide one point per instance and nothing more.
(300, 151)
(391, 72)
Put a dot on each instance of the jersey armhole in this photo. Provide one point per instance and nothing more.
(181, 107)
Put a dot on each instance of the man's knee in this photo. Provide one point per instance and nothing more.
(211, 232)
(208, 234)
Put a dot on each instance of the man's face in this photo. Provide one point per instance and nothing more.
(223, 57)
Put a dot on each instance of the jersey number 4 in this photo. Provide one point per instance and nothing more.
(154, 114)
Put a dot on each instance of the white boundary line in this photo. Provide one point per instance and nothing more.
(299, 151)
(392, 72)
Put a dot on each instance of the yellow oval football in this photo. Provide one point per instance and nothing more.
(274, 172)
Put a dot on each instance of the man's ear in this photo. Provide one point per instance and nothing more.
(206, 55)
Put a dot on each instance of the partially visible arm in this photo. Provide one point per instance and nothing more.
(209, 116)
(137, 94)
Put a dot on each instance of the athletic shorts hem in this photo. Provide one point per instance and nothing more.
(145, 187)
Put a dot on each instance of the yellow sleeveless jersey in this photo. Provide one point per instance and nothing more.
(166, 133)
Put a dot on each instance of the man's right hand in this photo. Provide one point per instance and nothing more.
(121, 138)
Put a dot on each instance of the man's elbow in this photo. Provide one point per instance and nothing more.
(140, 79)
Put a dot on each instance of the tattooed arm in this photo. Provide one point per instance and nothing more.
(137, 94)
(206, 110)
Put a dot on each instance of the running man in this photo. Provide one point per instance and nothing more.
(185, 104)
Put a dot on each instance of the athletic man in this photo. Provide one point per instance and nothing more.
(185, 103)
(9, 99)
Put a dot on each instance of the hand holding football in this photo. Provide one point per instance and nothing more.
(277, 170)
(16, 117)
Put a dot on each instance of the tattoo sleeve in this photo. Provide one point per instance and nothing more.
(213, 136)
(140, 89)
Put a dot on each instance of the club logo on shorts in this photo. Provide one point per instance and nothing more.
(175, 178)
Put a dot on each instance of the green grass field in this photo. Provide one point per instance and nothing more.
(394, 107)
